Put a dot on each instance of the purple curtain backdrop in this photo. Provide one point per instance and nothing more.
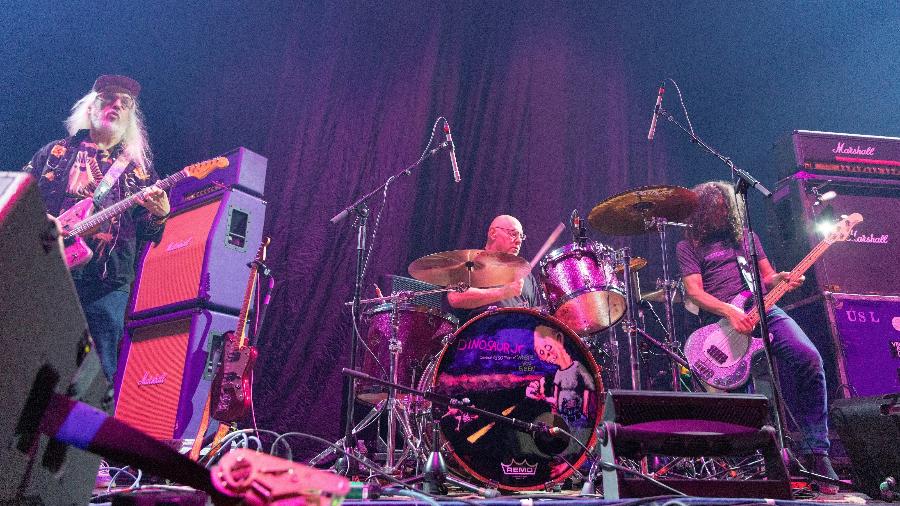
(541, 108)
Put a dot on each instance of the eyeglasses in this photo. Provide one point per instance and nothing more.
(109, 98)
(513, 233)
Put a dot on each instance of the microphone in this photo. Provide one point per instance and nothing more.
(452, 151)
(652, 132)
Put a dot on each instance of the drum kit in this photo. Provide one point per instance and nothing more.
(532, 364)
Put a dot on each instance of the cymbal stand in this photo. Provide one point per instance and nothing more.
(669, 287)
(630, 326)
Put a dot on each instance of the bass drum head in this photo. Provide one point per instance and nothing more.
(530, 366)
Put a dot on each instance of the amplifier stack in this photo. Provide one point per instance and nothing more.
(187, 294)
(850, 306)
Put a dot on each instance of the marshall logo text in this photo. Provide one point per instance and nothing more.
(148, 379)
(843, 150)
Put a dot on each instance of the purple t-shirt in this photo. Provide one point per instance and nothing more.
(718, 265)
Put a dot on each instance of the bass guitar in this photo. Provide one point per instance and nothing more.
(81, 220)
(232, 388)
(719, 355)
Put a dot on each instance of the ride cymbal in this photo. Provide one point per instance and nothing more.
(475, 267)
(632, 212)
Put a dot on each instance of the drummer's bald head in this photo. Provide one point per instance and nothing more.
(501, 234)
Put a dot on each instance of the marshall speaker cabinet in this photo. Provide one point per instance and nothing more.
(165, 370)
(203, 256)
(859, 339)
(866, 263)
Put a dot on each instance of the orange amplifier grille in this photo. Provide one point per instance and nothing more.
(171, 271)
(151, 381)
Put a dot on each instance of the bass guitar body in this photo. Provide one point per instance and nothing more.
(719, 355)
(232, 386)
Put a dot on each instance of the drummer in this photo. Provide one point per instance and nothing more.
(505, 235)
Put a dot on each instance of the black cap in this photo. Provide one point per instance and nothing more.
(117, 84)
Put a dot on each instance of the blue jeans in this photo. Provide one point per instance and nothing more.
(803, 380)
(105, 313)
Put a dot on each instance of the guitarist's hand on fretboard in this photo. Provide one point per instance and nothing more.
(785, 277)
(155, 200)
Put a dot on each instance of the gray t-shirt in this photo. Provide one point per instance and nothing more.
(717, 264)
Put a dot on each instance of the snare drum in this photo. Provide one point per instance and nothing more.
(581, 287)
(420, 332)
(524, 364)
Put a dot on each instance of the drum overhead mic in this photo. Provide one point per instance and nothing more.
(662, 89)
(452, 151)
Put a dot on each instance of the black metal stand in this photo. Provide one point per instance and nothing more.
(362, 212)
(746, 181)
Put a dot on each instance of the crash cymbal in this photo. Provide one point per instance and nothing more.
(629, 213)
(660, 296)
(636, 264)
(475, 267)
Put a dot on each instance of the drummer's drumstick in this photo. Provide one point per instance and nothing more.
(549, 242)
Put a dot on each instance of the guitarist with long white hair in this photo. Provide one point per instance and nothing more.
(715, 272)
(105, 159)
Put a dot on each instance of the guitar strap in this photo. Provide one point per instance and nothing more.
(744, 267)
(112, 175)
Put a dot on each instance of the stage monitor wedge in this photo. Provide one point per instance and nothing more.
(43, 334)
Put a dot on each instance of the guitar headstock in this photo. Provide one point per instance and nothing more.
(202, 169)
(261, 254)
(841, 230)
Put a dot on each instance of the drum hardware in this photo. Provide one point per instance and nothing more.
(636, 212)
(632, 329)
(361, 210)
(474, 267)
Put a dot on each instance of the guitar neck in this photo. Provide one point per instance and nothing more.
(779, 290)
(243, 316)
(121, 206)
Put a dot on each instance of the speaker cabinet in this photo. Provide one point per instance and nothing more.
(642, 423)
(166, 366)
(202, 258)
(43, 334)
(864, 264)
(869, 429)
(858, 337)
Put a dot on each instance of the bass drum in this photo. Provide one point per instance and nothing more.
(523, 364)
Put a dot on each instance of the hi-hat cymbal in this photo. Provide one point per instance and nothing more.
(629, 213)
(660, 296)
(636, 264)
(475, 267)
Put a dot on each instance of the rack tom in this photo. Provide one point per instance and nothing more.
(581, 287)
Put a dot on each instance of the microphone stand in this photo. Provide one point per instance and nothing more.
(745, 182)
(360, 208)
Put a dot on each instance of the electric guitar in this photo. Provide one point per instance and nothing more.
(80, 219)
(232, 388)
(719, 355)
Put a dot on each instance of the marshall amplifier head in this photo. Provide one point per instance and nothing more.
(838, 154)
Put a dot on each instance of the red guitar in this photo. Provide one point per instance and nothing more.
(232, 389)
(80, 219)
